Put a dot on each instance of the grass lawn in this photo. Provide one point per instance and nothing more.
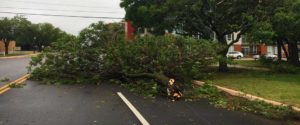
(279, 87)
(17, 53)
(248, 63)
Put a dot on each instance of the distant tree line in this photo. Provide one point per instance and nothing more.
(28, 36)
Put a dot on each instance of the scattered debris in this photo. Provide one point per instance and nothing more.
(4, 79)
(14, 85)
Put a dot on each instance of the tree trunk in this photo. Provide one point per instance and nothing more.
(284, 49)
(158, 77)
(6, 45)
(279, 50)
(223, 54)
(223, 67)
(293, 53)
(40, 48)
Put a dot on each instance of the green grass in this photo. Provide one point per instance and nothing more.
(279, 87)
(248, 63)
(17, 53)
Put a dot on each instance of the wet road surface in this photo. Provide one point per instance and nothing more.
(37, 104)
(13, 68)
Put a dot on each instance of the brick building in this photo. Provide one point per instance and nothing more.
(250, 49)
(247, 48)
(11, 47)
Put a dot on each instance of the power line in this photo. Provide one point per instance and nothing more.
(60, 10)
(54, 15)
(57, 4)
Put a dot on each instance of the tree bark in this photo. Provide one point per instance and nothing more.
(223, 54)
(6, 45)
(158, 77)
(293, 53)
(279, 50)
(284, 49)
(223, 67)
(40, 48)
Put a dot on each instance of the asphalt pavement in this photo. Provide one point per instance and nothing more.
(37, 104)
(13, 68)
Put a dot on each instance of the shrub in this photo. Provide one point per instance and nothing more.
(278, 67)
(284, 68)
(265, 61)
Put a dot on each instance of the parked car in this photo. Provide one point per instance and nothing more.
(271, 56)
(268, 56)
(235, 54)
(256, 57)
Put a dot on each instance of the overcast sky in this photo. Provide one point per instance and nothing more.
(93, 8)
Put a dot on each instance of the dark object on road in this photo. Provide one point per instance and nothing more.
(173, 91)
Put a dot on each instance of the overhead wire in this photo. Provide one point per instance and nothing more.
(65, 10)
(57, 15)
(57, 4)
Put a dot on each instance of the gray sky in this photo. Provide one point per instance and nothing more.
(94, 8)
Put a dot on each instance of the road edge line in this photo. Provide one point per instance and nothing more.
(133, 109)
(4, 90)
(20, 56)
(20, 80)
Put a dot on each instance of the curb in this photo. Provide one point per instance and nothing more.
(23, 56)
(247, 96)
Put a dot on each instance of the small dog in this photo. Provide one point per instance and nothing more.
(173, 91)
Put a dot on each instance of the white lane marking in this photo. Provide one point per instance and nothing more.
(133, 109)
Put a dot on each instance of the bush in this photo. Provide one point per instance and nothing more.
(278, 67)
(284, 68)
(265, 61)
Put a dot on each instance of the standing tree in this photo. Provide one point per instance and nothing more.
(10, 29)
(45, 34)
(198, 17)
(7, 32)
(286, 24)
(147, 14)
(281, 24)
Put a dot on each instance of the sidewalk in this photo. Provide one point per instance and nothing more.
(20, 56)
(247, 96)
(247, 67)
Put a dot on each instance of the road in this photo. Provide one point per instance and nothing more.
(13, 68)
(37, 104)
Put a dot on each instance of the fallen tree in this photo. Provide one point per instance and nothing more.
(161, 58)
(100, 53)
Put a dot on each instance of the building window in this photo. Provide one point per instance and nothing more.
(246, 50)
(276, 50)
(244, 40)
(230, 37)
(231, 49)
(213, 36)
(270, 50)
(254, 49)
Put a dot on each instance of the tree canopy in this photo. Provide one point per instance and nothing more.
(208, 19)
